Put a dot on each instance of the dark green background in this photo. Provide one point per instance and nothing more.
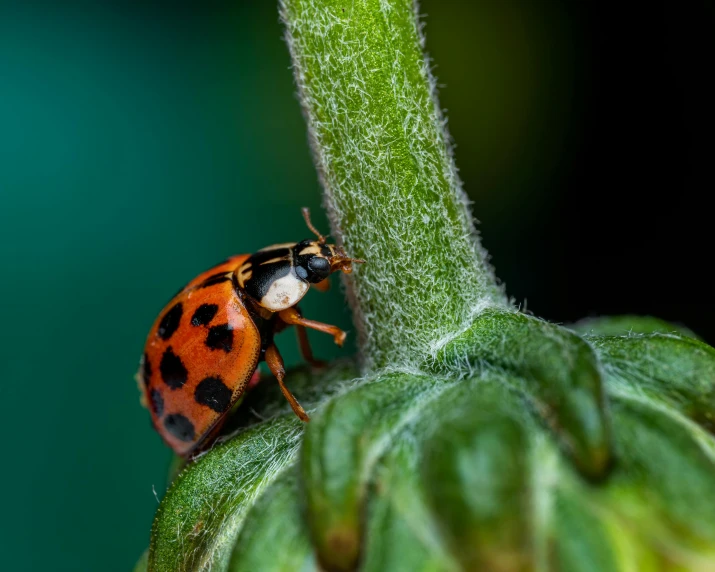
(140, 143)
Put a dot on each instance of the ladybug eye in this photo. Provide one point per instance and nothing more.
(319, 267)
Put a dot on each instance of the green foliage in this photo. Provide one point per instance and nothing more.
(340, 450)
(408, 471)
(561, 377)
(484, 514)
(274, 527)
(231, 478)
(391, 186)
(628, 325)
(475, 437)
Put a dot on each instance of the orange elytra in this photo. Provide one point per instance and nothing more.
(204, 348)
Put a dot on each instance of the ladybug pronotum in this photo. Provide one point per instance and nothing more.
(205, 346)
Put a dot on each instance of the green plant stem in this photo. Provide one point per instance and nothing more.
(391, 186)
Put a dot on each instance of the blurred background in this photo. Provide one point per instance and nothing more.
(140, 143)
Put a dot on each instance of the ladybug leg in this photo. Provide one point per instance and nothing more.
(292, 316)
(275, 364)
(305, 348)
(322, 286)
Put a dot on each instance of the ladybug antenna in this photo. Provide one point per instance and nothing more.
(306, 216)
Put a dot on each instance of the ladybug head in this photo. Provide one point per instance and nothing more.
(314, 260)
(278, 276)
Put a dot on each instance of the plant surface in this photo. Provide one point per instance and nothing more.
(468, 435)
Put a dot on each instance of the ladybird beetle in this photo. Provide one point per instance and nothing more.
(204, 348)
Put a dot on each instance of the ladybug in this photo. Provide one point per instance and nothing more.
(204, 348)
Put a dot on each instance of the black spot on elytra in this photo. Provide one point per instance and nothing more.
(220, 338)
(179, 426)
(213, 393)
(170, 322)
(146, 369)
(204, 314)
(157, 402)
(172, 370)
(215, 279)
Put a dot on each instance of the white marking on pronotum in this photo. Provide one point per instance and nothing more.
(276, 259)
(284, 293)
(312, 249)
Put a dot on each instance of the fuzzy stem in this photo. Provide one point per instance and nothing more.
(391, 185)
